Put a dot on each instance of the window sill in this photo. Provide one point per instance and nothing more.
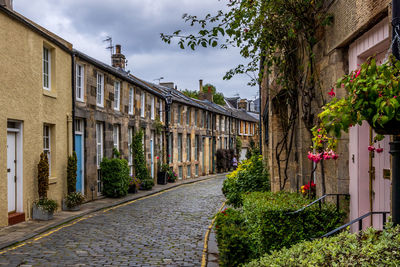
(49, 93)
(80, 100)
(52, 180)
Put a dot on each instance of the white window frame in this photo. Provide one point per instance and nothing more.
(116, 136)
(180, 146)
(152, 113)
(99, 153)
(46, 62)
(47, 143)
(130, 158)
(131, 100)
(117, 95)
(142, 104)
(79, 86)
(161, 111)
(100, 90)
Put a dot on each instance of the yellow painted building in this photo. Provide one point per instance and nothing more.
(35, 100)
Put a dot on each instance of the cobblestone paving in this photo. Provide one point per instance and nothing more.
(164, 230)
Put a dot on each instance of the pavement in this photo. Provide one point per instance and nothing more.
(161, 227)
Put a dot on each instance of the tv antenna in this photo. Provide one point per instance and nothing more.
(110, 44)
(158, 79)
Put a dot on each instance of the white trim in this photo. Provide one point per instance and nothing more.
(47, 149)
(131, 100)
(100, 83)
(161, 110)
(117, 95)
(152, 111)
(142, 104)
(80, 78)
(116, 136)
(48, 62)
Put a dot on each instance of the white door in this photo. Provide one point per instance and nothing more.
(11, 172)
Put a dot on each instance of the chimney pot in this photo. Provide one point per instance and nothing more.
(200, 85)
(118, 49)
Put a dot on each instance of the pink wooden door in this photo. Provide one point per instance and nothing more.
(373, 43)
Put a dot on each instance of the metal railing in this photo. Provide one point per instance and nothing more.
(319, 201)
(359, 220)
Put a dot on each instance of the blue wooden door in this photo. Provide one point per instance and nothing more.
(78, 150)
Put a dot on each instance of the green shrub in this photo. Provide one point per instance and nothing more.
(74, 199)
(233, 244)
(71, 173)
(115, 177)
(266, 225)
(139, 160)
(146, 184)
(369, 248)
(43, 176)
(47, 204)
(271, 226)
(250, 176)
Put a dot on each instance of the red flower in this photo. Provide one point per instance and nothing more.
(331, 93)
(169, 156)
(358, 73)
(371, 148)
(158, 157)
(379, 150)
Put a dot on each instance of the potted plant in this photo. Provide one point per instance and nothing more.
(162, 175)
(373, 95)
(44, 208)
(172, 176)
(73, 200)
(134, 184)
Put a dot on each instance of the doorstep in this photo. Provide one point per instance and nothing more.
(20, 232)
(16, 217)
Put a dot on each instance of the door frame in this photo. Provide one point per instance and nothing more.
(18, 130)
(82, 134)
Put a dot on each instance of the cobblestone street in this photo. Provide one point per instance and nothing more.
(166, 229)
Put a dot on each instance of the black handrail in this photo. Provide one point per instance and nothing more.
(319, 201)
(359, 220)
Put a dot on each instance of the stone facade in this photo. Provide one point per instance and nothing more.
(34, 113)
(351, 20)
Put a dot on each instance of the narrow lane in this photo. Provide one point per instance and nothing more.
(164, 230)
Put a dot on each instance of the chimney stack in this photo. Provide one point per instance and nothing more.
(118, 60)
(7, 4)
(205, 95)
(168, 84)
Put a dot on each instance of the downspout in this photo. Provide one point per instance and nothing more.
(395, 144)
(73, 99)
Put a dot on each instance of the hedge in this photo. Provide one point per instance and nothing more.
(115, 177)
(264, 224)
(250, 176)
(369, 248)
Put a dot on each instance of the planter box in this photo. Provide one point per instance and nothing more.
(65, 208)
(40, 214)
(162, 178)
(132, 189)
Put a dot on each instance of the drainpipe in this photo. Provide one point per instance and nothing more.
(395, 144)
(73, 99)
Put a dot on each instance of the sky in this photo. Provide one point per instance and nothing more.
(136, 25)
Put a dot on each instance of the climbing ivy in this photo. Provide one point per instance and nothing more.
(277, 38)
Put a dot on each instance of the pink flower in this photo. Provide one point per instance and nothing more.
(379, 150)
(169, 156)
(358, 73)
(335, 156)
(310, 155)
(158, 157)
(371, 148)
(380, 95)
(342, 85)
(319, 130)
(351, 81)
(332, 93)
(395, 96)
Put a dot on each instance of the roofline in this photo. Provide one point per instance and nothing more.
(30, 25)
(115, 72)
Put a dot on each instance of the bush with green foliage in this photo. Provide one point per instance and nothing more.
(238, 147)
(265, 223)
(115, 177)
(369, 248)
(146, 184)
(232, 233)
(74, 199)
(250, 176)
(71, 173)
(46, 204)
(43, 176)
